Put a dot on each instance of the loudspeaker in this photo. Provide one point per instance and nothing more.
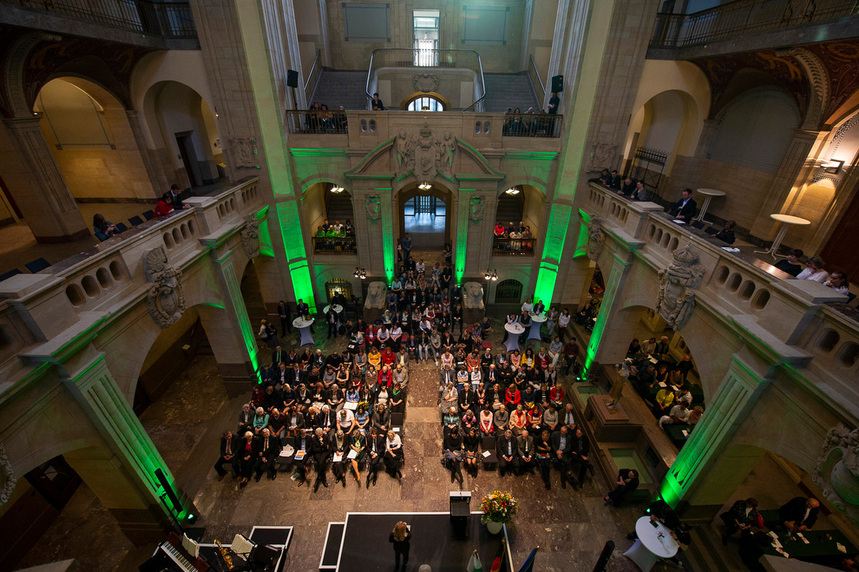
(159, 474)
(292, 78)
(558, 83)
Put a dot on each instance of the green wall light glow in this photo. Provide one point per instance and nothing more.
(547, 275)
(553, 249)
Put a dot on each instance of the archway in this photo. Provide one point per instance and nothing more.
(520, 209)
(327, 211)
(426, 215)
(184, 131)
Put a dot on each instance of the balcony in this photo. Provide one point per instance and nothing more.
(513, 246)
(140, 22)
(745, 25)
(335, 245)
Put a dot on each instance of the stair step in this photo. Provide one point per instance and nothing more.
(346, 88)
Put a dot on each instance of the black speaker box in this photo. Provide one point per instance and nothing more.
(558, 83)
(292, 78)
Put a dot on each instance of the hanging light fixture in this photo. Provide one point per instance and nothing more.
(490, 275)
(360, 273)
(512, 191)
(424, 186)
(337, 189)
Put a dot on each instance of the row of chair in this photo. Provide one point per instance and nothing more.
(34, 267)
(135, 220)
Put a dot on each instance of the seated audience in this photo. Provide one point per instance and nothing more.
(685, 208)
(627, 481)
(814, 270)
(727, 232)
(838, 282)
(791, 264)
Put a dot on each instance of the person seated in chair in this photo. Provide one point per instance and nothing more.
(526, 454)
(741, 517)
(579, 456)
(507, 451)
(627, 481)
(684, 209)
(799, 513)
(228, 455)
(453, 454)
(791, 264)
(727, 233)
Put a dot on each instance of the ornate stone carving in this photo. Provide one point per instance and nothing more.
(818, 78)
(425, 82)
(250, 236)
(373, 207)
(676, 300)
(596, 238)
(7, 477)
(602, 156)
(376, 294)
(472, 296)
(476, 208)
(837, 470)
(244, 152)
(166, 300)
(425, 156)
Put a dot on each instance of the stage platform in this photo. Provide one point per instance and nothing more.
(360, 544)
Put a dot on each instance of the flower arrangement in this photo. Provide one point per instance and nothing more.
(498, 506)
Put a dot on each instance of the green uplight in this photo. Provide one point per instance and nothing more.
(546, 277)
(553, 249)
(461, 242)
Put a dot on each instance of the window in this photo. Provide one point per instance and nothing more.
(426, 37)
(338, 286)
(426, 103)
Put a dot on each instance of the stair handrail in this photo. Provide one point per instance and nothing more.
(313, 76)
(533, 73)
(406, 57)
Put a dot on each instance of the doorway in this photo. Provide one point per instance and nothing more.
(425, 218)
(189, 158)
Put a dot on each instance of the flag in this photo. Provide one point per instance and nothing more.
(474, 564)
(499, 559)
(528, 566)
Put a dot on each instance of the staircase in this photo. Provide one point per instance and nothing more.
(336, 88)
(339, 208)
(508, 210)
(512, 90)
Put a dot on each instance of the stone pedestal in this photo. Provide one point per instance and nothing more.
(610, 423)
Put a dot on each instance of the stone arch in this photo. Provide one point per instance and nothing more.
(818, 79)
(17, 102)
(441, 190)
(670, 121)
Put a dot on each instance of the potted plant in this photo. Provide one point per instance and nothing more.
(498, 509)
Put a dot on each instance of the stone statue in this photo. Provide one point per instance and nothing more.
(837, 470)
(476, 207)
(7, 477)
(404, 146)
(596, 238)
(376, 294)
(602, 156)
(373, 206)
(472, 296)
(446, 150)
(676, 300)
(250, 236)
(616, 391)
(166, 299)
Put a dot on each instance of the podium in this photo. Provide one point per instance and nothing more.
(460, 510)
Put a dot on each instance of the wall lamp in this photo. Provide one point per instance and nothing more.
(832, 166)
(490, 275)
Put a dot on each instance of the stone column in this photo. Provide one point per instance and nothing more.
(230, 332)
(157, 176)
(122, 474)
(778, 196)
(389, 254)
(697, 462)
(41, 192)
(598, 351)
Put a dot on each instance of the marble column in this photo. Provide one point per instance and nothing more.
(122, 474)
(42, 194)
(230, 332)
(784, 184)
(598, 351)
(697, 462)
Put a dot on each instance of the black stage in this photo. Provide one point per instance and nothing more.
(365, 546)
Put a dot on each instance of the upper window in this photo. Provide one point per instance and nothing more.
(426, 37)
(426, 103)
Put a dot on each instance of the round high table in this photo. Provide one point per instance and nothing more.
(537, 321)
(708, 194)
(337, 310)
(304, 330)
(786, 221)
(514, 330)
(652, 544)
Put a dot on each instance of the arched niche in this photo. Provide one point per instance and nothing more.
(91, 139)
(183, 128)
(670, 122)
(435, 233)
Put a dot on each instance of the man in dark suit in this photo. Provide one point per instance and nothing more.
(684, 209)
(302, 307)
(507, 450)
(266, 449)
(526, 459)
(297, 376)
(562, 445)
(176, 197)
(376, 444)
(319, 448)
(229, 446)
(627, 481)
(579, 455)
(277, 356)
(326, 419)
(467, 398)
(452, 449)
(799, 513)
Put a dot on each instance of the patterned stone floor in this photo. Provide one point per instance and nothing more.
(569, 526)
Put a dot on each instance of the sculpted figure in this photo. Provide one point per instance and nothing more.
(472, 296)
(376, 293)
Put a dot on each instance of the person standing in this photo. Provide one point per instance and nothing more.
(554, 103)
(400, 538)
(176, 196)
(407, 247)
(285, 315)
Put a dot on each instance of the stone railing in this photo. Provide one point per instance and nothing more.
(792, 315)
(72, 294)
(743, 17)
